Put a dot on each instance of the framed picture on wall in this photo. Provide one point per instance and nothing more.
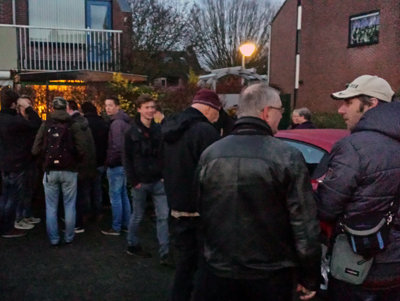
(364, 29)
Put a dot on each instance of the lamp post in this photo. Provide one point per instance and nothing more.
(246, 49)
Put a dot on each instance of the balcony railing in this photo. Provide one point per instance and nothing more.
(62, 49)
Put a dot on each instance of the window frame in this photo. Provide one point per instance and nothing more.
(353, 18)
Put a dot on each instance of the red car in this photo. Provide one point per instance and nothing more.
(315, 145)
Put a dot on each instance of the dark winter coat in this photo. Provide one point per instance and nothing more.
(185, 137)
(99, 128)
(364, 175)
(87, 167)
(257, 206)
(77, 135)
(142, 153)
(119, 125)
(304, 125)
(16, 139)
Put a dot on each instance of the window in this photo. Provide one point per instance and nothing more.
(364, 29)
(57, 14)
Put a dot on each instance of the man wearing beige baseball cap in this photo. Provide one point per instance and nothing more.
(364, 93)
(362, 184)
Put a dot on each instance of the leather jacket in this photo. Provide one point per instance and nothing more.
(256, 205)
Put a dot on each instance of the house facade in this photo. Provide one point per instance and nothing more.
(335, 41)
(69, 39)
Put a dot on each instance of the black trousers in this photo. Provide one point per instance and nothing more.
(185, 237)
(278, 286)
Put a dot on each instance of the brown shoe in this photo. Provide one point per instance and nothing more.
(14, 233)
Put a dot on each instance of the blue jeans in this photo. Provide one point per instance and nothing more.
(12, 192)
(24, 206)
(120, 206)
(65, 181)
(139, 196)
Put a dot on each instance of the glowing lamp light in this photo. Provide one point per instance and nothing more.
(246, 49)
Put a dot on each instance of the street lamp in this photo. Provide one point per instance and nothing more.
(246, 49)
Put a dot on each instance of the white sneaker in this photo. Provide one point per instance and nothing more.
(23, 225)
(32, 220)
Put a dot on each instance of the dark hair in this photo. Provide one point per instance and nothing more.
(114, 99)
(8, 97)
(365, 100)
(72, 105)
(143, 99)
(88, 107)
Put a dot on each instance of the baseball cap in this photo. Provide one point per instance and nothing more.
(207, 97)
(370, 85)
(59, 103)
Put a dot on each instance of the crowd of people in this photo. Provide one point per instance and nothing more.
(239, 204)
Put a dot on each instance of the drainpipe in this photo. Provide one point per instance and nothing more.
(269, 54)
(14, 14)
(298, 41)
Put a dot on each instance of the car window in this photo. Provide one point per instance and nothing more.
(312, 154)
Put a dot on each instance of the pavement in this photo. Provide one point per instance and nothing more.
(93, 267)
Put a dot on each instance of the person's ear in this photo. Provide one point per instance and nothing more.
(374, 102)
(264, 114)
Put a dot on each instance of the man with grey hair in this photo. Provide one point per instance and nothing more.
(257, 210)
(301, 119)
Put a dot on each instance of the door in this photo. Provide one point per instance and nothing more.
(98, 16)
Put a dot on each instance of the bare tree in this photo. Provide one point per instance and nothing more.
(221, 26)
(157, 26)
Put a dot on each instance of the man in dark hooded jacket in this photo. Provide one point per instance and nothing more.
(363, 180)
(86, 168)
(16, 139)
(185, 137)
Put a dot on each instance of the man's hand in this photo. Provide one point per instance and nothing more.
(305, 294)
(22, 104)
(138, 186)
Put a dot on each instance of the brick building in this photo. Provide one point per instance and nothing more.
(338, 41)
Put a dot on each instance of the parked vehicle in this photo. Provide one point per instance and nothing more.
(315, 145)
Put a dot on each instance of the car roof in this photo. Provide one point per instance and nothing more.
(322, 138)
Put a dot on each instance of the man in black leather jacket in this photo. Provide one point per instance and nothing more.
(363, 179)
(257, 210)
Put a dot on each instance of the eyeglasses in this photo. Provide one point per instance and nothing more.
(281, 109)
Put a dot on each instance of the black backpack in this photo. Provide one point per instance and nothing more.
(58, 146)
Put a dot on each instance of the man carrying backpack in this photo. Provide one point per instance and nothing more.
(62, 145)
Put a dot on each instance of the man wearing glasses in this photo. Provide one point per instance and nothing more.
(257, 210)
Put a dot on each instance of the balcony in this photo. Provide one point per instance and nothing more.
(32, 48)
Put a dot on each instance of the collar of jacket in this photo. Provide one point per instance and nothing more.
(9, 111)
(251, 126)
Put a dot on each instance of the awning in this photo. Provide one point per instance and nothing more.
(81, 75)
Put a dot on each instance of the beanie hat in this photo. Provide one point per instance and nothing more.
(59, 103)
(208, 98)
(369, 85)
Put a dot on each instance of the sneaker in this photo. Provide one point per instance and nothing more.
(32, 220)
(14, 233)
(137, 251)
(79, 230)
(23, 226)
(124, 229)
(166, 260)
(111, 232)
